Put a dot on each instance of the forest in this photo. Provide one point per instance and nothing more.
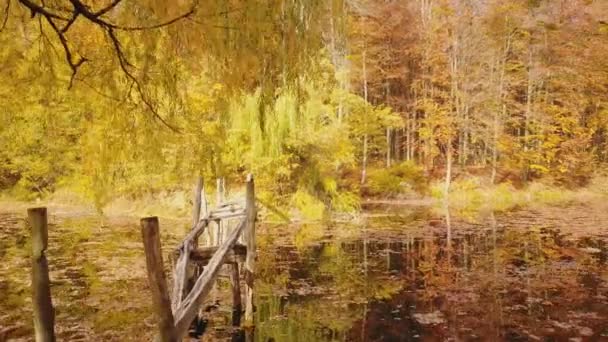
(363, 170)
(327, 102)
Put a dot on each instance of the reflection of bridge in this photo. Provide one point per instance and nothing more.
(229, 240)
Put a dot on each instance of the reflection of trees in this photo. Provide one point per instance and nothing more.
(328, 290)
(490, 279)
(505, 281)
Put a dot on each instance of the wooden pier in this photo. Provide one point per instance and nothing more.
(221, 240)
(196, 268)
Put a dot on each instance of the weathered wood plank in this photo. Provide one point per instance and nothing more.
(230, 258)
(44, 314)
(228, 209)
(180, 278)
(157, 280)
(196, 231)
(189, 306)
(249, 236)
(226, 215)
(237, 203)
(203, 255)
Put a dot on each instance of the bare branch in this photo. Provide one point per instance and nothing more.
(37, 9)
(202, 23)
(99, 92)
(72, 20)
(82, 9)
(107, 8)
(68, 53)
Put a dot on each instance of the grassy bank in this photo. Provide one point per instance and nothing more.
(475, 194)
(403, 184)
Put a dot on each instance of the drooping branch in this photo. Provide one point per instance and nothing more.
(69, 24)
(61, 19)
(107, 8)
(82, 9)
(124, 66)
(74, 64)
(38, 9)
(159, 25)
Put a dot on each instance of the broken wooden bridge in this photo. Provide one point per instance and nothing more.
(228, 232)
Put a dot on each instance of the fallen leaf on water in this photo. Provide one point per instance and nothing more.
(432, 318)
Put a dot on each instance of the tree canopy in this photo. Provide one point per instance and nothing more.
(124, 96)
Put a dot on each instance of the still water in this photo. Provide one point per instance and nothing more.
(394, 274)
(521, 276)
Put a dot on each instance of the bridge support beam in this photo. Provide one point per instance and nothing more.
(249, 234)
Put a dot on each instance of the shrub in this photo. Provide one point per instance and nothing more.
(575, 166)
(404, 178)
(308, 206)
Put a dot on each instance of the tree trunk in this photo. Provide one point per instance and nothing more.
(448, 170)
(529, 91)
(388, 147)
(501, 99)
(495, 149)
(364, 164)
(408, 141)
(364, 161)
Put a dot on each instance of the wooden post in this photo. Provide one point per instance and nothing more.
(196, 206)
(219, 195)
(44, 314)
(218, 200)
(205, 204)
(250, 243)
(216, 233)
(236, 294)
(156, 278)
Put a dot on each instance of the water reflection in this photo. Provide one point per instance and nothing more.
(399, 275)
(447, 279)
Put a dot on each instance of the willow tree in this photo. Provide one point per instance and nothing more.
(150, 82)
(239, 43)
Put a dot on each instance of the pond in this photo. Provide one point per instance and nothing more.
(393, 274)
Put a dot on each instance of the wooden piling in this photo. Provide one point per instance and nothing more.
(219, 199)
(197, 201)
(237, 306)
(249, 235)
(205, 202)
(156, 278)
(44, 314)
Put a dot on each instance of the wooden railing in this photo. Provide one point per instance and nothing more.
(222, 247)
